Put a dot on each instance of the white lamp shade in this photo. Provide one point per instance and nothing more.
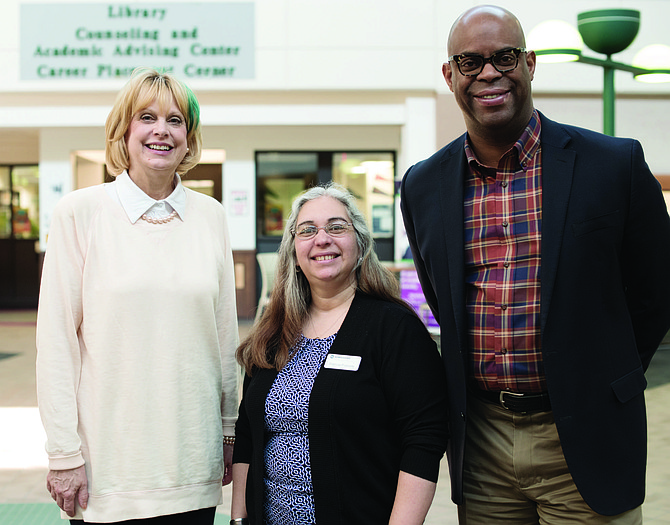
(555, 35)
(654, 57)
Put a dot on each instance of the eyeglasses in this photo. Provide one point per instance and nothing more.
(335, 229)
(471, 65)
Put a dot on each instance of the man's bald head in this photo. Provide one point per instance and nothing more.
(482, 12)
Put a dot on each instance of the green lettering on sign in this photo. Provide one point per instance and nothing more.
(45, 71)
(124, 11)
(185, 34)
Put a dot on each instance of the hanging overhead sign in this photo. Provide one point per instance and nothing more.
(107, 41)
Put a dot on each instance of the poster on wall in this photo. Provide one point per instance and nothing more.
(194, 41)
(411, 292)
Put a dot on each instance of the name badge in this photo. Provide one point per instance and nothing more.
(343, 362)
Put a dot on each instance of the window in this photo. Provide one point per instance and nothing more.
(281, 176)
(369, 177)
(19, 202)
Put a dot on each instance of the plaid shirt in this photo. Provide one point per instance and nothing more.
(503, 226)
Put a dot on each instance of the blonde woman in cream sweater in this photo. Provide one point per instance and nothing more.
(137, 326)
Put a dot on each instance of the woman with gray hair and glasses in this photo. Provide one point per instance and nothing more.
(344, 408)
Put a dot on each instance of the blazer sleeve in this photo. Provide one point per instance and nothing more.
(646, 255)
(407, 205)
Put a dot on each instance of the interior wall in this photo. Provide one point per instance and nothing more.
(644, 119)
(88, 173)
(19, 146)
(240, 142)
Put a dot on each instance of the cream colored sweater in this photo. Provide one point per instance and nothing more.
(136, 334)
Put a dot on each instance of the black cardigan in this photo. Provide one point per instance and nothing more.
(364, 426)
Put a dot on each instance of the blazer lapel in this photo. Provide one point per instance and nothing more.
(557, 175)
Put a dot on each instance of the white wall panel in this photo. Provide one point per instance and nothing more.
(239, 181)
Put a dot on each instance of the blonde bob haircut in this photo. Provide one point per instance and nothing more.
(145, 87)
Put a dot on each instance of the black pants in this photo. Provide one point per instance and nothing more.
(195, 517)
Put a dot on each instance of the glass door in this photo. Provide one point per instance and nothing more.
(280, 177)
(6, 203)
(369, 176)
(19, 235)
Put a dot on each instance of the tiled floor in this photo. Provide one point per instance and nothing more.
(23, 462)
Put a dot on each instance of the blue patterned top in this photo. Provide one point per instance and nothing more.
(289, 496)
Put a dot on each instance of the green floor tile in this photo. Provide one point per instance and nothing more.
(30, 514)
(49, 514)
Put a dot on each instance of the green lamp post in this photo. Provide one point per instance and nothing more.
(605, 31)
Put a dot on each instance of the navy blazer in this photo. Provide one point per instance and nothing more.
(605, 301)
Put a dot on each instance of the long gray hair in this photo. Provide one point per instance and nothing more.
(298, 293)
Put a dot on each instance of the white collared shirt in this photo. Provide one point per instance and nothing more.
(136, 203)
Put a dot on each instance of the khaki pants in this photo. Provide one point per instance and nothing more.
(515, 473)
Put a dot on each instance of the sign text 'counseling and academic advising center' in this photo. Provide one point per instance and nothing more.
(107, 41)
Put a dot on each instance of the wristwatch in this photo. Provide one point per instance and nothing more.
(239, 521)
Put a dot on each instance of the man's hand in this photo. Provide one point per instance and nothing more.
(68, 487)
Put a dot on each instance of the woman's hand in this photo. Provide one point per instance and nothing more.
(227, 464)
(68, 487)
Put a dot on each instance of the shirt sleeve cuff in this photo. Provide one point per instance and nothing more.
(66, 462)
(229, 426)
(421, 463)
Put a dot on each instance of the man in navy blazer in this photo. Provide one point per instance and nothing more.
(568, 444)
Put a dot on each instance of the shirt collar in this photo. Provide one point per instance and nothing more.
(526, 147)
(136, 203)
(529, 142)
